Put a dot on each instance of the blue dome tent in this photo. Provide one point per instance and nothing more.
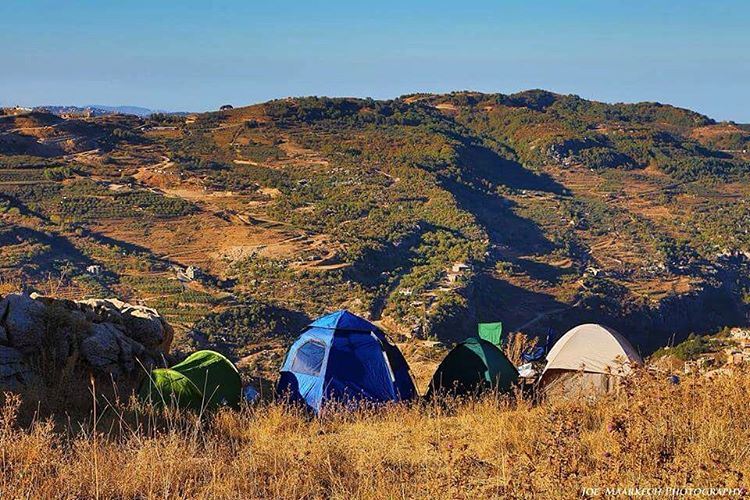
(343, 357)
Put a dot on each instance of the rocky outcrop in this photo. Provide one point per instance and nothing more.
(142, 324)
(110, 351)
(104, 337)
(13, 370)
(22, 320)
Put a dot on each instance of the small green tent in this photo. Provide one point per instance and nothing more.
(472, 366)
(205, 379)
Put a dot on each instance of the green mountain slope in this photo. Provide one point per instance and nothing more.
(427, 213)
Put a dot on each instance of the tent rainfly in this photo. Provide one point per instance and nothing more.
(491, 332)
(343, 357)
(204, 380)
(588, 359)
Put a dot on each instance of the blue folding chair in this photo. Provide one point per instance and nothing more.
(537, 353)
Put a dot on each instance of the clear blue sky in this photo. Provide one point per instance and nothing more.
(197, 55)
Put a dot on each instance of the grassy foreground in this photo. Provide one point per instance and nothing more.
(651, 434)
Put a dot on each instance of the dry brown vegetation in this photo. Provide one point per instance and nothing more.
(651, 434)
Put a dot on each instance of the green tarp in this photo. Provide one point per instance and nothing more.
(206, 379)
(473, 366)
(491, 332)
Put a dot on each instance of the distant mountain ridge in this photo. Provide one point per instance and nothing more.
(101, 110)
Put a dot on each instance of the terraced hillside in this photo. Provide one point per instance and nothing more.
(427, 213)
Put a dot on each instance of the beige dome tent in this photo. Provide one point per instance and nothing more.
(589, 359)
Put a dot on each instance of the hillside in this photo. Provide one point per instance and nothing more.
(426, 213)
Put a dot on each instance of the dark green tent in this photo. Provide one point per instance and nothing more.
(206, 379)
(472, 366)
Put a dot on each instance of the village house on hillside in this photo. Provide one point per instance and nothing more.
(189, 273)
(94, 269)
(458, 270)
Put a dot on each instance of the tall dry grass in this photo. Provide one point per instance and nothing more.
(649, 434)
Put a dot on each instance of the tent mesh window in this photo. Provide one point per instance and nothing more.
(309, 358)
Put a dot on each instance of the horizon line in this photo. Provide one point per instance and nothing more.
(464, 91)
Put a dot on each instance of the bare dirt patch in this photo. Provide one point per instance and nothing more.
(710, 131)
(203, 240)
(299, 153)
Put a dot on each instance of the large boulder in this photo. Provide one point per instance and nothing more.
(104, 337)
(13, 370)
(110, 351)
(144, 325)
(102, 310)
(141, 323)
(22, 319)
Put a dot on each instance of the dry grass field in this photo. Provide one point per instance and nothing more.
(652, 434)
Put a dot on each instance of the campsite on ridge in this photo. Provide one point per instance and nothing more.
(326, 264)
(394, 250)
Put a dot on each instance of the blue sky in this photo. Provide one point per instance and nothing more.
(197, 55)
